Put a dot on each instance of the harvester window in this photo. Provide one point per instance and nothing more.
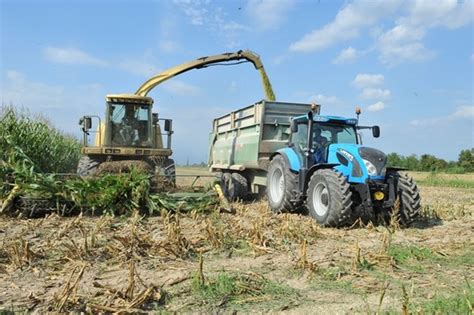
(129, 124)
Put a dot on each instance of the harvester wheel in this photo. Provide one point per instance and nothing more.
(169, 170)
(282, 186)
(87, 166)
(329, 198)
(409, 199)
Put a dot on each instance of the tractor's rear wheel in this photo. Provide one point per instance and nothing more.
(282, 186)
(329, 198)
(87, 166)
(409, 199)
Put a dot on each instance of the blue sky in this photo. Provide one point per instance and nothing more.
(408, 64)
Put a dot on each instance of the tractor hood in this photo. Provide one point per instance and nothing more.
(357, 163)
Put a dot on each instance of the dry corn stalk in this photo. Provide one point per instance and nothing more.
(8, 202)
(302, 261)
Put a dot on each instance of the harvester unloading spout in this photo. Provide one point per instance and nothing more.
(203, 62)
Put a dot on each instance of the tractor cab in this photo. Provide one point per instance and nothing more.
(333, 140)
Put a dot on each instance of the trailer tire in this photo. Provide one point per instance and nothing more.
(282, 186)
(240, 185)
(229, 187)
(409, 199)
(87, 166)
(329, 198)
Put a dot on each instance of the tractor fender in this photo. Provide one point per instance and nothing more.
(313, 169)
(290, 157)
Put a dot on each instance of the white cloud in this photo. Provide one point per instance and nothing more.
(268, 14)
(472, 57)
(71, 56)
(404, 42)
(324, 99)
(365, 80)
(195, 10)
(63, 106)
(347, 24)
(203, 13)
(375, 93)
(461, 113)
(168, 46)
(347, 55)
(376, 107)
(137, 67)
(181, 88)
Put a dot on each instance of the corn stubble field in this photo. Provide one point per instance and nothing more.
(107, 245)
(251, 260)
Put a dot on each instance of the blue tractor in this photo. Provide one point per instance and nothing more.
(326, 171)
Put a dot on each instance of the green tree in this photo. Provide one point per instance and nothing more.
(412, 163)
(466, 160)
(394, 160)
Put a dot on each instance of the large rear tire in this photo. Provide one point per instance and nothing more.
(409, 199)
(282, 186)
(87, 166)
(329, 198)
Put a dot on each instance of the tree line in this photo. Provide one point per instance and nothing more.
(430, 163)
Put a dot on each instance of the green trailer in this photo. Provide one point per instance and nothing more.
(242, 142)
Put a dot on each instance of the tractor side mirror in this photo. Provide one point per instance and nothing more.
(168, 125)
(154, 117)
(376, 131)
(294, 126)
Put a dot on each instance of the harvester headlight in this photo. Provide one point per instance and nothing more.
(371, 169)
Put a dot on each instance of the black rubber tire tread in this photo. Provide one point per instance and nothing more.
(169, 169)
(240, 185)
(227, 186)
(287, 203)
(87, 166)
(340, 198)
(409, 197)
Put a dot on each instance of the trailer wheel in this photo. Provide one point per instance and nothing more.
(87, 166)
(329, 198)
(230, 186)
(409, 198)
(282, 186)
(240, 185)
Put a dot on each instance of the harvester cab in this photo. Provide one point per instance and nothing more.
(130, 132)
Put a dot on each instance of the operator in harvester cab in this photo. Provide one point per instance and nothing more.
(319, 145)
(129, 130)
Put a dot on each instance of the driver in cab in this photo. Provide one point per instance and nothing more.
(129, 131)
(320, 142)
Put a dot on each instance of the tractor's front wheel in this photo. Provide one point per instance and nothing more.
(329, 198)
(409, 199)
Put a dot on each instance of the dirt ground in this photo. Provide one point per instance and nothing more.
(249, 261)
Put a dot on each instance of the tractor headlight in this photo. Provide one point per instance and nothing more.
(371, 169)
